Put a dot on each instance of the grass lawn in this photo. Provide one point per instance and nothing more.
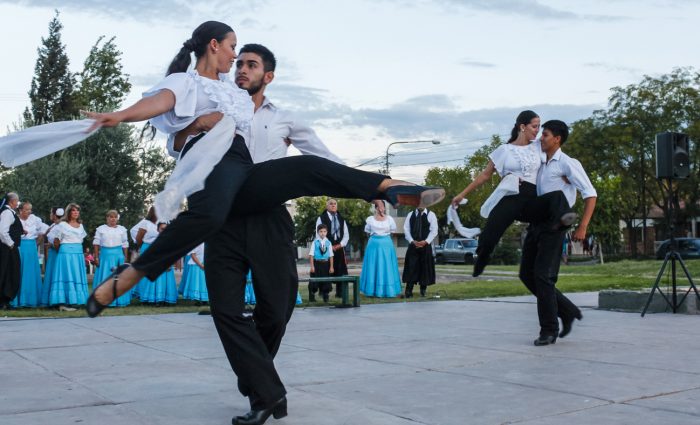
(498, 281)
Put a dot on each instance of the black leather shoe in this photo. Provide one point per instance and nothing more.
(258, 417)
(545, 340)
(566, 324)
(325, 298)
(93, 307)
(422, 291)
(415, 196)
(566, 221)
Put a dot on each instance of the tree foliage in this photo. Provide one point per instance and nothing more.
(114, 168)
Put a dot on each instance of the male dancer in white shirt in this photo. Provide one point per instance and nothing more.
(264, 241)
(542, 250)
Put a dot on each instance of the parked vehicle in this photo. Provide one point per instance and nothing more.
(687, 247)
(461, 250)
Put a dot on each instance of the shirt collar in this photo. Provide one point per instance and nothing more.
(556, 156)
(425, 211)
(268, 103)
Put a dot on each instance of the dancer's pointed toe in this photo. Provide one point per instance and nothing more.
(94, 307)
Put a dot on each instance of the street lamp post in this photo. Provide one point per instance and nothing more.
(386, 161)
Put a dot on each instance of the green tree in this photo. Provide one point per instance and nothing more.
(619, 142)
(51, 92)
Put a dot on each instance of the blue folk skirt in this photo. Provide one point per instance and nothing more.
(380, 269)
(162, 290)
(48, 271)
(110, 258)
(29, 294)
(135, 291)
(194, 284)
(68, 280)
(185, 271)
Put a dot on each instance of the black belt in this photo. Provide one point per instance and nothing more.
(320, 261)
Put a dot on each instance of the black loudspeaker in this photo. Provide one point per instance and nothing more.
(672, 159)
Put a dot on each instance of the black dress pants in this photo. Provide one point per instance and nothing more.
(527, 207)
(262, 243)
(539, 271)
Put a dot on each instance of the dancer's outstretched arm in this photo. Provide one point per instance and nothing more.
(482, 178)
(146, 108)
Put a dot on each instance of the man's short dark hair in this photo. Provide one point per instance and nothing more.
(558, 128)
(321, 227)
(268, 58)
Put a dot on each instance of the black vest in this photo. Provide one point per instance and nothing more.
(420, 227)
(325, 219)
(16, 228)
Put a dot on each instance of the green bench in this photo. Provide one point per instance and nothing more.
(344, 282)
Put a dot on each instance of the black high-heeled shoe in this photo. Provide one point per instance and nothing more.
(258, 417)
(93, 307)
(416, 196)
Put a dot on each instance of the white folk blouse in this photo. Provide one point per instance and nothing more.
(110, 237)
(380, 228)
(66, 233)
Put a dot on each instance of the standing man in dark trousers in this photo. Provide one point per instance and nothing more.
(339, 236)
(420, 228)
(10, 236)
(542, 250)
(264, 242)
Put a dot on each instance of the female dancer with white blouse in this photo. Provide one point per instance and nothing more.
(517, 162)
(29, 294)
(111, 244)
(68, 283)
(211, 172)
(380, 268)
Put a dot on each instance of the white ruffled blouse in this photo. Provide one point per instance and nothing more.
(196, 95)
(522, 161)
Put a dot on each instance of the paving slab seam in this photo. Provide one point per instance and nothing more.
(77, 406)
(347, 379)
(662, 409)
(520, 384)
(392, 414)
(554, 415)
(567, 357)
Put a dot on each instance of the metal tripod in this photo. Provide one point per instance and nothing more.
(672, 256)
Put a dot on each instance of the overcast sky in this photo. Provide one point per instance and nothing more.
(368, 73)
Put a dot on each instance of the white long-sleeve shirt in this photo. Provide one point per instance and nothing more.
(432, 219)
(549, 178)
(6, 219)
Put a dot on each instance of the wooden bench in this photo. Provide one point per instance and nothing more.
(344, 282)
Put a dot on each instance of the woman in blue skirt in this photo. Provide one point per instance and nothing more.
(50, 252)
(29, 294)
(380, 268)
(68, 280)
(143, 234)
(164, 289)
(194, 285)
(111, 244)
